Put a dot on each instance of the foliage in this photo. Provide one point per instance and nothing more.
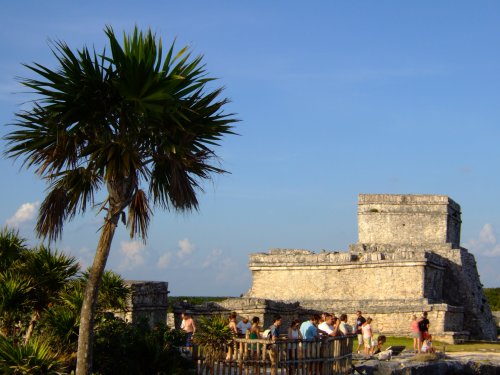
(113, 292)
(50, 271)
(493, 297)
(11, 247)
(59, 326)
(212, 335)
(15, 291)
(60, 323)
(122, 348)
(34, 357)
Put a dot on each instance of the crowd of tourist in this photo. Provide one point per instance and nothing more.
(318, 326)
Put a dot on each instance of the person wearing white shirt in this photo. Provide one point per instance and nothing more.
(329, 326)
(243, 326)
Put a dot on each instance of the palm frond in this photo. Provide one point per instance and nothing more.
(52, 214)
(139, 215)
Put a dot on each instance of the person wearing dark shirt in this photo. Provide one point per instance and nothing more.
(359, 323)
(274, 330)
(274, 334)
(423, 325)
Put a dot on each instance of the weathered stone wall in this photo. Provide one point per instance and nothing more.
(408, 219)
(147, 300)
(244, 307)
(289, 275)
(390, 318)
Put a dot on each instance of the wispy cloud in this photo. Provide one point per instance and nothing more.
(85, 256)
(183, 253)
(185, 248)
(486, 244)
(25, 213)
(212, 258)
(133, 255)
(164, 260)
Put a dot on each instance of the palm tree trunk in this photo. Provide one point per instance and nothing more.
(86, 332)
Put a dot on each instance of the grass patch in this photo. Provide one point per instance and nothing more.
(479, 347)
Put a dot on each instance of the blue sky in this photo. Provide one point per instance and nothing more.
(336, 98)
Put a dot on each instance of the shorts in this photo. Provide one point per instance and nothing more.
(416, 335)
(360, 339)
(189, 339)
(368, 342)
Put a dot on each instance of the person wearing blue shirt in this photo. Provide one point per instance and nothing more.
(309, 329)
(274, 334)
(274, 330)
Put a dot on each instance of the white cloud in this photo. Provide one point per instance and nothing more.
(164, 260)
(211, 258)
(85, 257)
(185, 248)
(228, 270)
(25, 213)
(486, 244)
(132, 253)
(487, 235)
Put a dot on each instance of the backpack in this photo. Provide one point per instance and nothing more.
(267, 334)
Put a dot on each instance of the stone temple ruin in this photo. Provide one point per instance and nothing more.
(408, 259)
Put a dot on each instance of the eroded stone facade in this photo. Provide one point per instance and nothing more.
(147, 300)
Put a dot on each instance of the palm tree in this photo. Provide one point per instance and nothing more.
(213, 335)
(12, 247)
(113, 292)
(141, 125)
(49, 271)
(15, 300)
(60, 322)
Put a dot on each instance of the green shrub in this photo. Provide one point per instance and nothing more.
(35, 357)
(123, 348)
(212, 335)
(493, 297)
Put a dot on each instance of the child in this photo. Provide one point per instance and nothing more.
(377, 345)
(366, 328)
(427, 345)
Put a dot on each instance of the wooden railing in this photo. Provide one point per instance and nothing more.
(328, 356)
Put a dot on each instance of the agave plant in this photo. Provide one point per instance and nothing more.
(49, 271)
(11, 247)
(59, 325)
(34, 357)
(213, 335)
(113, 292)
(15, 291)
